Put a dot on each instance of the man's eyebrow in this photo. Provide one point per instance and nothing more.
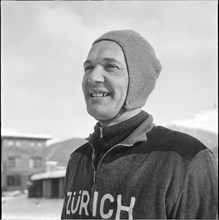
(109, 59)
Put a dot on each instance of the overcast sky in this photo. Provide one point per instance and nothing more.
(44, 44)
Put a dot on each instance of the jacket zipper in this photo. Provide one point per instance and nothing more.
(101, 132)
(96, 169)
(127, 145)
(94, 180)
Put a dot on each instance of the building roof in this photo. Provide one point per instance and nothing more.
(7, 133)
(48, 175)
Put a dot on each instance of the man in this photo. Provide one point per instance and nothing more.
(130, 168)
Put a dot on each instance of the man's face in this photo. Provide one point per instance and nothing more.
(105, 81)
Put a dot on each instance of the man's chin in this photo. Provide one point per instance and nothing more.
(102, 118)
(100, 115)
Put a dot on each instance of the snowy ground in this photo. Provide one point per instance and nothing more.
(22, 207)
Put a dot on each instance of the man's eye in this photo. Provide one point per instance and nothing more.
(88, 68)
(111, 66)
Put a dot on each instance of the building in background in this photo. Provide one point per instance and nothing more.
(50, 184)
(22, 156)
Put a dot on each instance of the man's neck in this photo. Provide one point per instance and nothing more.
(123, 117)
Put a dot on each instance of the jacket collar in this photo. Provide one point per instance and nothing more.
(140, 133)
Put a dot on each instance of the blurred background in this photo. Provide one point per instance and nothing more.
(44, 118)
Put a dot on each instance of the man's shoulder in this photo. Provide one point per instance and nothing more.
(184, 144)
(83, 149)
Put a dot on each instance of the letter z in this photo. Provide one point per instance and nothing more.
(69, 198)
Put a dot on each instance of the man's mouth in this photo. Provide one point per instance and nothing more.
(99, 94)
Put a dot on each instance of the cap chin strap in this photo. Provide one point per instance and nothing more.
(121, 111)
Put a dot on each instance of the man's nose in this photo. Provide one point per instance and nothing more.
(96, 75)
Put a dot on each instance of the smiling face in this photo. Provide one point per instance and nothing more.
(105, 80)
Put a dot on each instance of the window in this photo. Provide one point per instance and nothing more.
(32, 144)
(10, 143)
(12, 162)
(39, 144)
(35, 162)
(17, 143)
(13, 180)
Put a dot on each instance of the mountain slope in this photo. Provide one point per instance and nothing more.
(62, 150)
(205, 120)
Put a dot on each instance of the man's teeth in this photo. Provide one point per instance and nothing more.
(99, 94)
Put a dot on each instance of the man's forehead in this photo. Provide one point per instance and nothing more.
(106, 50)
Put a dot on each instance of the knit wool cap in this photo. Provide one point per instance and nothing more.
(142, 65)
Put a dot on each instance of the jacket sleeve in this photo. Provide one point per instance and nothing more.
(198, 198)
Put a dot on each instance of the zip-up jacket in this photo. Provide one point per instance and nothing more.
(155, 173)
